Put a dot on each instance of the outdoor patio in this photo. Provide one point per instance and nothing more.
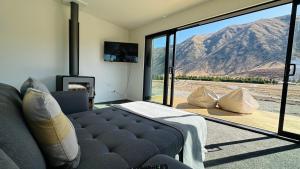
(259, 119)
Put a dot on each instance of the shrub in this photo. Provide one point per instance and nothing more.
(157, 77)
(256, 80)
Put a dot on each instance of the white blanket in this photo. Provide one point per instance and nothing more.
(192, 126)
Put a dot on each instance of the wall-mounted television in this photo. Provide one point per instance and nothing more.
(120, 52)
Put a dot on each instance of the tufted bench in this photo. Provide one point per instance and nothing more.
(126, 138)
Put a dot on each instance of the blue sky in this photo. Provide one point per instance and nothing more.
(213, 27)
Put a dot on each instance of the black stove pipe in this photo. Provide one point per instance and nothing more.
(74, 41)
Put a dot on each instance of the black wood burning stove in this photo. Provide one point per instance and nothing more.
(77, 83)
(74, 82)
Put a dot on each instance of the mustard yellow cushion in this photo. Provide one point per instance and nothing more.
(52, 129)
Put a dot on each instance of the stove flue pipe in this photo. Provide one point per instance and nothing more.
(74, 40)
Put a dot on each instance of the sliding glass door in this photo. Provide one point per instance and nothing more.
(158, 52)
(243, 52)
(290, 108)
(257, 50)
(159, 63)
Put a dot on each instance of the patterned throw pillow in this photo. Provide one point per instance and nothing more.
(52, 129)
(32, 83)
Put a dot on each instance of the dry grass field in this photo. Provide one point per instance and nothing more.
(267, 95)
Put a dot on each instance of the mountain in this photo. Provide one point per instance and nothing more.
(254, 49)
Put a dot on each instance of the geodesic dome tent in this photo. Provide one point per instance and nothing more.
(203, 97)
(239, 101)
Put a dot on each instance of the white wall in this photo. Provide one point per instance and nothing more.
(34, 42)
(203, 11)
(111, 78)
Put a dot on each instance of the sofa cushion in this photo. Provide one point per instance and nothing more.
(14, 133)
(52, 129)
(165, 160)
(72, 101)
(6, 162)
(32, 83)
(96, 155)
(125, 137)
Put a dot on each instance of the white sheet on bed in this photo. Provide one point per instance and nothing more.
(192, 126)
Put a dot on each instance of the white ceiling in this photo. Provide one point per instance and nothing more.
(131, 14)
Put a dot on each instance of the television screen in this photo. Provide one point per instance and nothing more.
(120, 52)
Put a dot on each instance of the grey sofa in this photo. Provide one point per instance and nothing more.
(109, 138)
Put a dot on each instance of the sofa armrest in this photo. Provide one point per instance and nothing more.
(164, 159)
(72, 101)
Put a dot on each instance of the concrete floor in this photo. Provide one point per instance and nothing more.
(234, 148)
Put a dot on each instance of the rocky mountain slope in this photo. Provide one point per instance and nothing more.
(253, 49)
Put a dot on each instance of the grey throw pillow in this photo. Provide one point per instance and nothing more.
(6, 162)
(52, 129)
(33, 83)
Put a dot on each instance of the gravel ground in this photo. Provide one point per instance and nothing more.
(267, 95)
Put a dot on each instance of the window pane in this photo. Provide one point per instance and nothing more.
(247, 51)
(158, 68)
(292, 113)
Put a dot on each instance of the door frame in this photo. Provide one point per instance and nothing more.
(287, 74)
(168, 70)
